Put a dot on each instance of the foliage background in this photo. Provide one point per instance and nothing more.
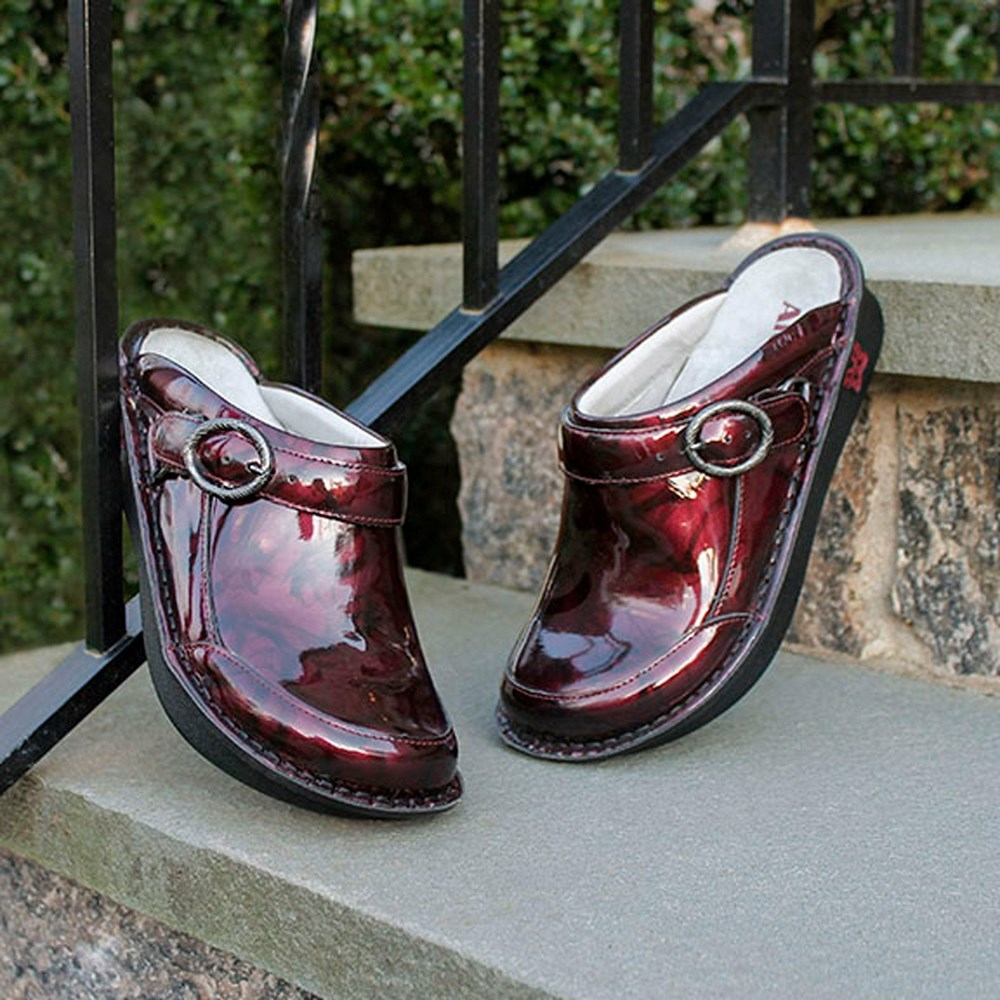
(198, 129)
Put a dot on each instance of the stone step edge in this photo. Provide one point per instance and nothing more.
(932, 274)
(56, 824)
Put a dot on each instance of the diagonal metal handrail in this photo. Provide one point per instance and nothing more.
(65, 697)
(441, 353)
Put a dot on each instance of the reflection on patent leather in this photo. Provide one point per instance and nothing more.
(696, 462)
(277, 624)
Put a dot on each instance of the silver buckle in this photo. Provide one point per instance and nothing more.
(262, 473)
(693, 443)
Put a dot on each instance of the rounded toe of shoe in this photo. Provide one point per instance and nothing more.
(529, 715)
(545, 709)
(378, 769)
(421, 764)
(387, 772)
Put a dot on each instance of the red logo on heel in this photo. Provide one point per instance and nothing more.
(856, 368)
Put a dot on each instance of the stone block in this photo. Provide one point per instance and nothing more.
(505, 426)
(61, 941)
(904, 565)
(827, 614)
(947, 585)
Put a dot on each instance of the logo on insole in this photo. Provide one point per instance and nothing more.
(856, 368)
(785, 317)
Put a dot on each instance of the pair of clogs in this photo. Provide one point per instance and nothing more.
(277, 624)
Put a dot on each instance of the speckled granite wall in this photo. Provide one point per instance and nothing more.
(948, 558)
(906, 564)
(58, 940)
(505, 425)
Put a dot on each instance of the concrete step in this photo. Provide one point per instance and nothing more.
(937, 277)
(832, 835)
(906, 566)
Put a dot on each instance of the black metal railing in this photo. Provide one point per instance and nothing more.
(302, 245)
(778, 100)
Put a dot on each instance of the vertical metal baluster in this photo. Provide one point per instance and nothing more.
(996, 36)
(91, 100)
(767, 179)
(480, 152)
(635, 87)
(303, 233)
(799, 113)
(781, 136)
(908, 40)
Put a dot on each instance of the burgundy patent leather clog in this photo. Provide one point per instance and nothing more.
(277, 625)
(696, 464)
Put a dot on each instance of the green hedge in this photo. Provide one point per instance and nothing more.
(198, 129)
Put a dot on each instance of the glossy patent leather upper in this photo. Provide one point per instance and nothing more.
(285, 615)
(661, 571)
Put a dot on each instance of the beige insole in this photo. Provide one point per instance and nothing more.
(226, 375)
(716, 335)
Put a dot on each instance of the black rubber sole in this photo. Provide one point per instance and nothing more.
(721, 691)
(273, 777)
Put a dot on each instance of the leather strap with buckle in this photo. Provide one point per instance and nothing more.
(693, 443)
(237, 460)
(262, 469)
(728, 438)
